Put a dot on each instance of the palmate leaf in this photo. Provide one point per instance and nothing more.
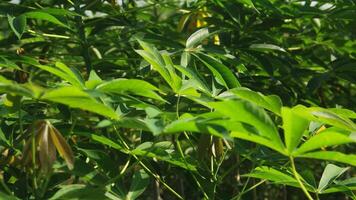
(331, 172)
(243, 111)
(17, 24)
(147, 149)
(271, 102)
(200, 83)
(276, 176)
(65, 73)
(4, 62)
(80, 191)
(346, 185)
(4, 196)
(325, 116)
(44, 16)
(331, 156)
(266, 47)
(152, 56)
(326, 138)
(140, 181)
(222, 73)
(294, 126)
(176, 83)
(163, 151)
(344, 112)
(130, 86)
(7, 86)
(197, 37)
(76, 98)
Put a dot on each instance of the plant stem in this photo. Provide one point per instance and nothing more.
(296, 175)
(82, 37)
(186, 163)
(157, 177)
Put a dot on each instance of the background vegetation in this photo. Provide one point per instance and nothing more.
(186, 99)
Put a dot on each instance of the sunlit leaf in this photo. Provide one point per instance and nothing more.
(76, 98)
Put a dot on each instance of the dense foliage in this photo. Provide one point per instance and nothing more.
(183, 99)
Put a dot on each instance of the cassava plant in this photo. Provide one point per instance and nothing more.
(187, 99)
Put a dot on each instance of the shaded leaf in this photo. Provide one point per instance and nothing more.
(219, 70)
(331, 172)
(17, 24)
(140, 181)
(44, 16)
(79, 191)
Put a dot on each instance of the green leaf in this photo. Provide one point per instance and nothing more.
(243, 111)
(8, 64)
(163, 151)
(4, 196)
(244, 134)
(139, 184)
(331, 172)
(44, 16)
(328, 137)
(58, 11)
(344, 112)
(93, 81)
(294, 127)
(7, 86)
(247, 2)
(347, 185)
(201, 84)
(219, 70)
(103, 140)
(152, 56)
(176, 80)
(153, 51)
(130, 86)
(17, 24)
(64, 73)
(266, 47)
(331, 118)
(79, 191)
(325, 116)
(76, 98)
(72, 72)
(331, 156)
(197, 37)
(184, 59)
(275, 176)
(271, 102)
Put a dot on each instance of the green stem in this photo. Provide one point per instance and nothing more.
(186, 163)
(157, 177)
(296, 175)
(244, 190)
